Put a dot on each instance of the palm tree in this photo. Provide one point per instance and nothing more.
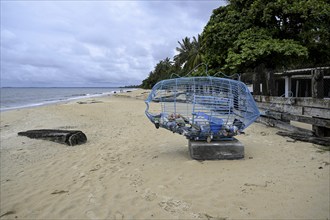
(190, 53)
(184, 50)
(163, 69)
(196, 56)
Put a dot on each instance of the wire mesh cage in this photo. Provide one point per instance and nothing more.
(202, 108)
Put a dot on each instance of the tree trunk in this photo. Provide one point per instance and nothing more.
(256, 84)
(70, 138)
(258, 77)
(270, 83)
(318, 92)
(317, 84)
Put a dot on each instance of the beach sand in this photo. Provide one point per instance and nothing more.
(130, 170)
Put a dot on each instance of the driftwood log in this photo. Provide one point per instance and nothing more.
(68, 137)
(325, 141)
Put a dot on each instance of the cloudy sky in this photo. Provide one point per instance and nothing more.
(93, 43)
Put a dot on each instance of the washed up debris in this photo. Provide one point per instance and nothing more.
(89, 102)
(59, 192)
(69, 137)
(11, 212)
(324, 141)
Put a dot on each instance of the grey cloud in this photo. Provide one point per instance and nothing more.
(93, 43)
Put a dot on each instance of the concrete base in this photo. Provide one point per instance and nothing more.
(216, 150)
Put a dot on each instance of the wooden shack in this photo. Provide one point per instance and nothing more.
(301, 95)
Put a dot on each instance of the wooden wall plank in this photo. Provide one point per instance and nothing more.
(299, 101)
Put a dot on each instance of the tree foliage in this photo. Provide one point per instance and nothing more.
(189, 53)
(274, 33)
(163, 70)
(251, 35)
(254, 47)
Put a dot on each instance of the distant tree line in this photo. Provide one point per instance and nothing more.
(254, 36)
(130, 86)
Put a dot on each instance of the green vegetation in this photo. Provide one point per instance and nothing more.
(255, 36)
(190, 53)
(163, 70)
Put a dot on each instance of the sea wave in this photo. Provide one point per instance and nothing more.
(11, 105)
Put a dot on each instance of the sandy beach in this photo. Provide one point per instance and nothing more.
(130, 170)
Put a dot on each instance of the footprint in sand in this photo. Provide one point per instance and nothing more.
(91, 199)
(91, 215)
(149, 196)
(97, 167)
(119, 215)
(136, 180)
(174, 206)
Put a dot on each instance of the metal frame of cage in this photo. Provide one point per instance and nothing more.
(202, 108)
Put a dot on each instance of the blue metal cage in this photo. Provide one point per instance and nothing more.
(202, 108)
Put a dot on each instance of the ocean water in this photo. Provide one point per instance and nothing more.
(15, 98)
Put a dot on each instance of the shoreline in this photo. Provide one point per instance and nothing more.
(65, 100)
(130, 170)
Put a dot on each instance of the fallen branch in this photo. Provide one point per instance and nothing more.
(325, 141)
